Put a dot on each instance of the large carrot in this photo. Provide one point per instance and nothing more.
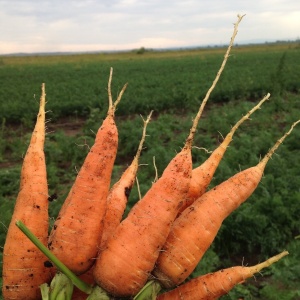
(214, 285)
(202, 175)
(23, 263)
(77, 231)
(124, 266)
(195, 229)
(119, 193)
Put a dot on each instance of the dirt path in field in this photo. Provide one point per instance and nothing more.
(70, 127)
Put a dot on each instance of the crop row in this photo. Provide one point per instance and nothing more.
(153, 84)
(171, 83)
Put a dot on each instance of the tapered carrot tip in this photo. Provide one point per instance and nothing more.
(190, 138)
(268, 262)
(113, 105)
(38, 135)
(229, 136)
(262, 164)
(203, 174)
(119, 193)
(115, 270)
(23, 264)
(215, 285)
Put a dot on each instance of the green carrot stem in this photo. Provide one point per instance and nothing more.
(86, 288)
(44, 291)
(149, 291)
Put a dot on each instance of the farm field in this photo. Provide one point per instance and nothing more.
(172, 83)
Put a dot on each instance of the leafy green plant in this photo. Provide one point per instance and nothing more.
(274, 208)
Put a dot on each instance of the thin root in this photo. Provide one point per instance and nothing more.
(156, 172)
(264, 161)
(202, 148)
(140, 148)
(138, 187)
(189, 140)
(112, 106)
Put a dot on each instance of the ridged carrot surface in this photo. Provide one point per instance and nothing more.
(123, 267)
(76, 234)
(119, 193)
(202, 175)
(195, 229)
(23, 263)
(214, 285)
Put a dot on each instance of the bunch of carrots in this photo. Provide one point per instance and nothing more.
(92, 252)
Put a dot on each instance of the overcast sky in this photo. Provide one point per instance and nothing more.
(92, 25)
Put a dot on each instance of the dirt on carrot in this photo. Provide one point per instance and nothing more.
(23, 264)
(123, 267)
(77, 231)
(202, 175)
(119, 193)
(214, 285)
(195, 229)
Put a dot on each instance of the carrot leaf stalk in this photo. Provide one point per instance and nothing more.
(75, 280)
(61, 287)
(45, 291)
(98, 294)
(149, 291)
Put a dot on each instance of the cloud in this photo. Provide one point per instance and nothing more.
(29, 25)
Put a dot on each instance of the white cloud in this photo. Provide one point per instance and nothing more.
(29, 25)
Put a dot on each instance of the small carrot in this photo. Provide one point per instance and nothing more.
(77, 231)
(23, 263)
(123, 267)
(195, 229)
(119, 193)
(214, 285)
(202, 175)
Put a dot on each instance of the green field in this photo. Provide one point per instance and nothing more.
(172, 83)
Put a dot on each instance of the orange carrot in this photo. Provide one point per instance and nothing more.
(77, 231)
(195, 229)
(202, 175)
(116, 204)
(23, 263)
(123, 267)
(119, 193)
(214, 285)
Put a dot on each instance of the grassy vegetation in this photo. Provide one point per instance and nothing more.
(173, 81)
(173, 84)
